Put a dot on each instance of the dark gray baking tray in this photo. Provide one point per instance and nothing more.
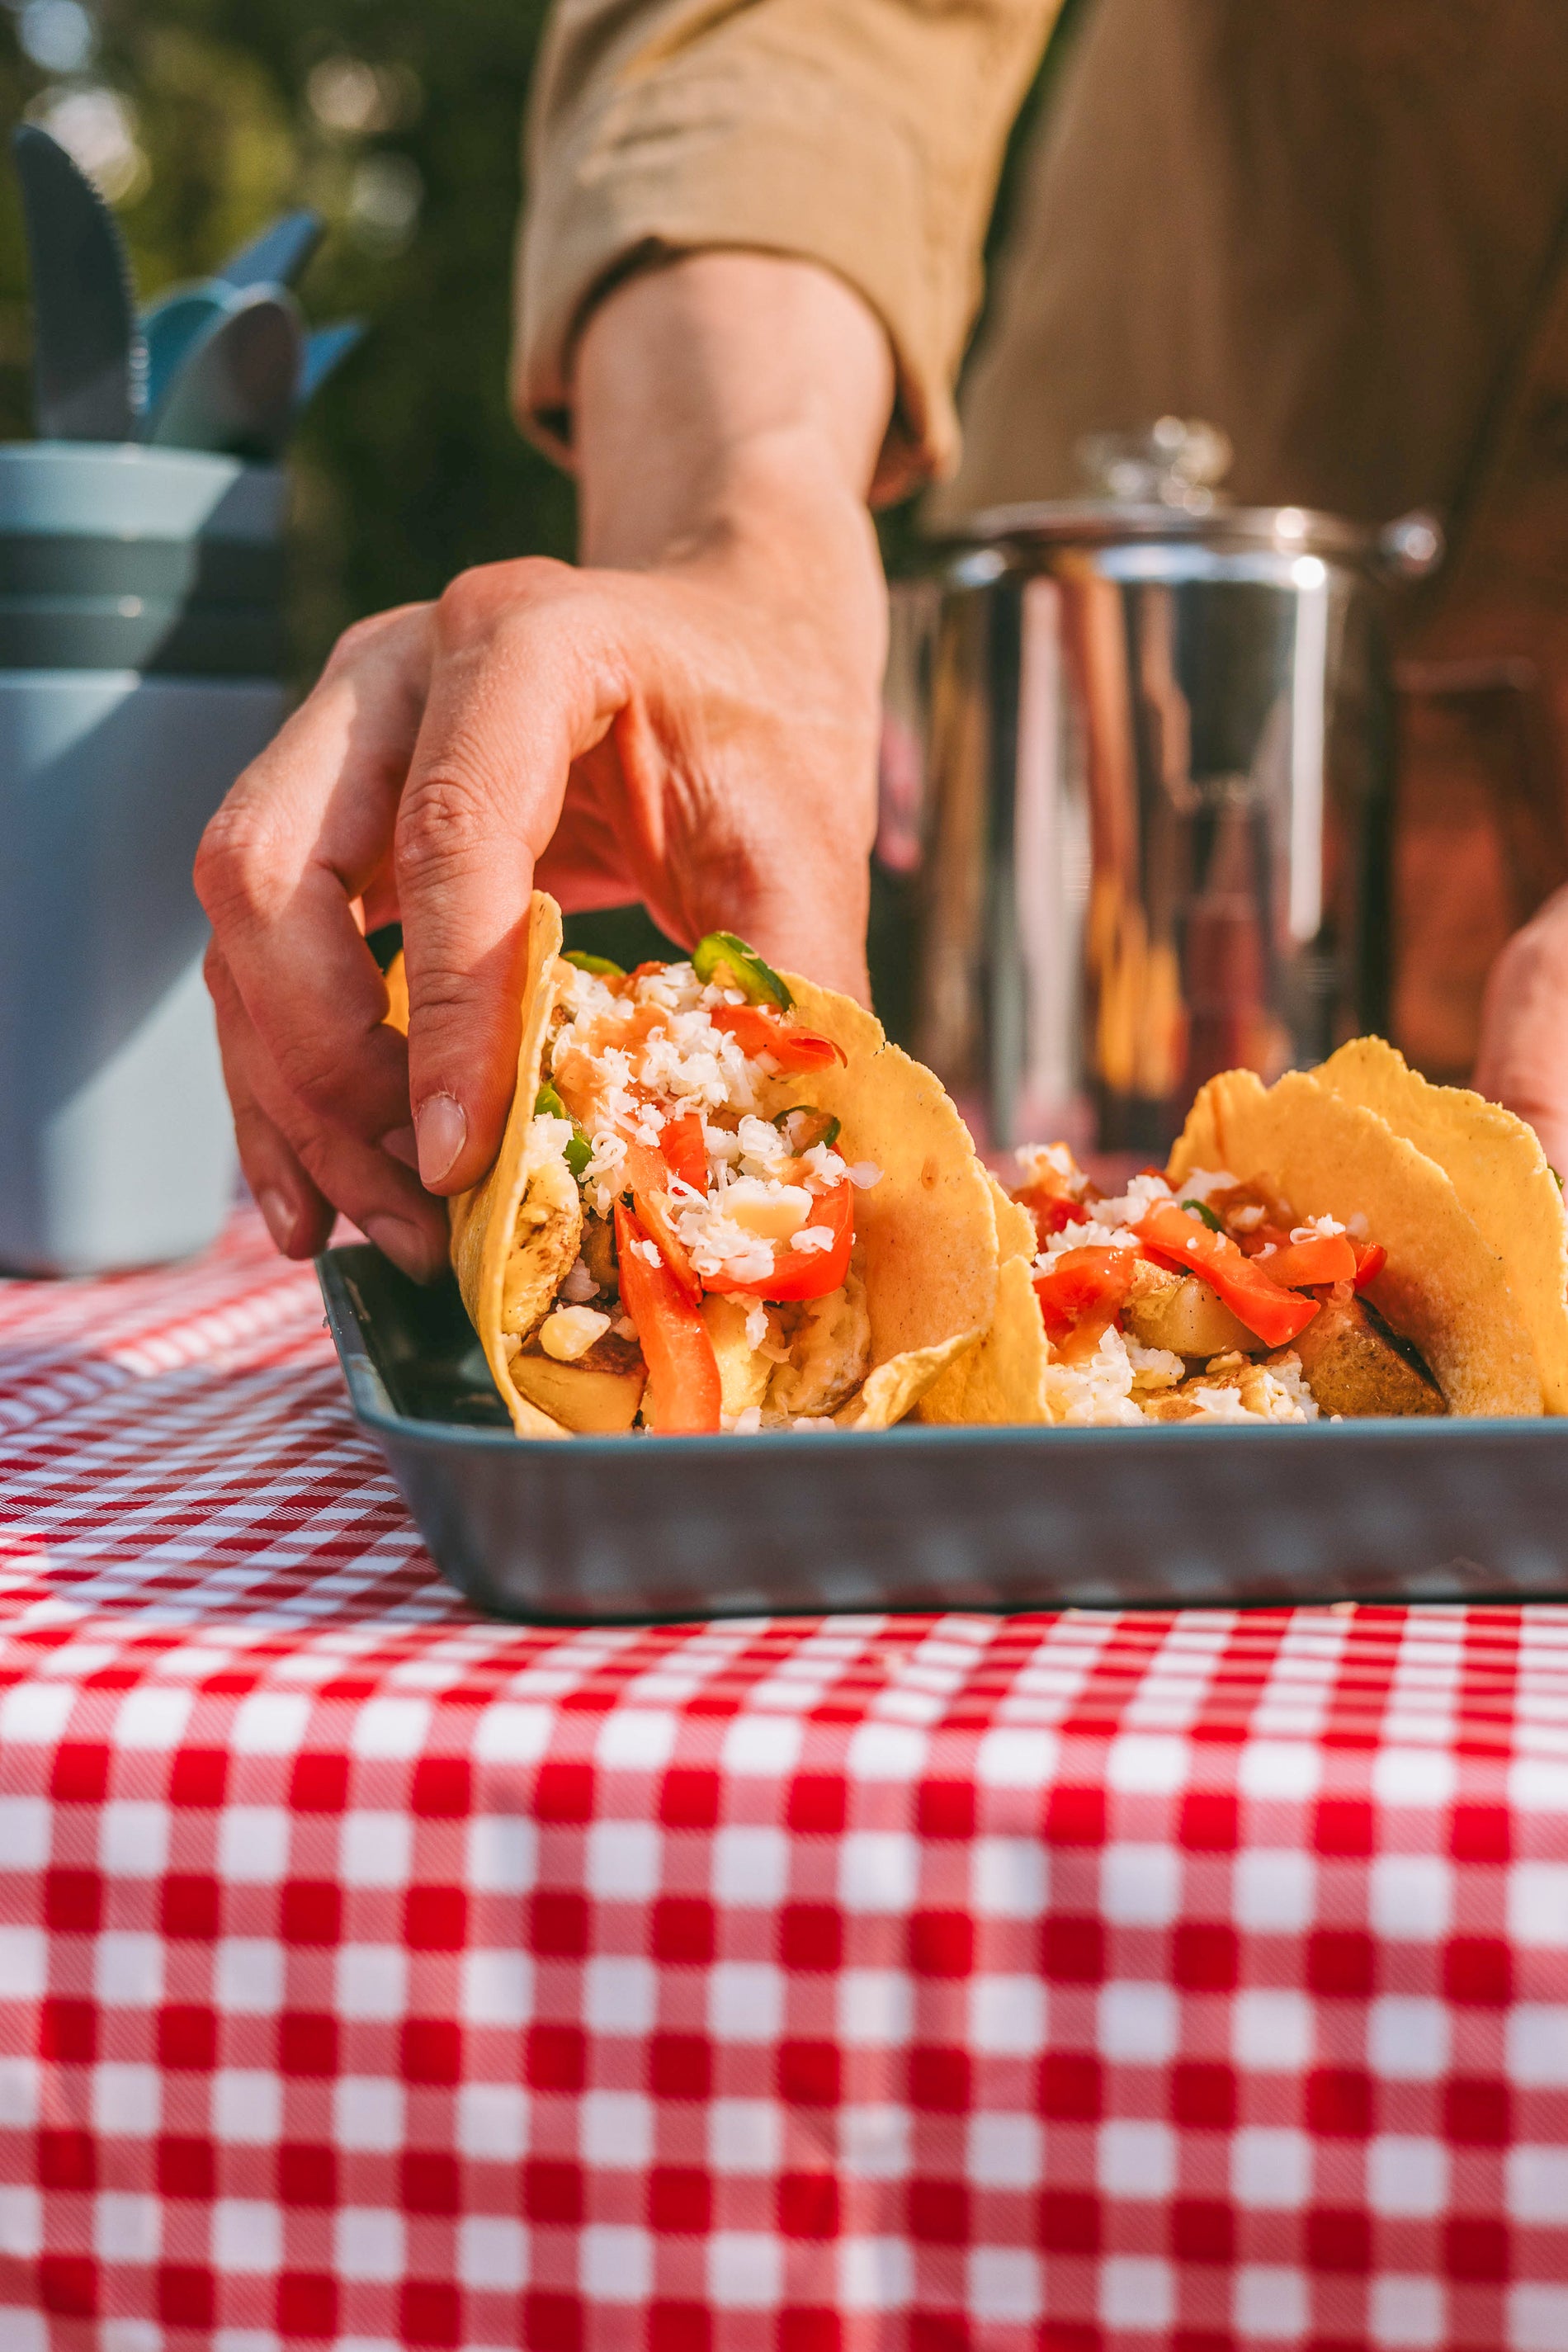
(608, 1530)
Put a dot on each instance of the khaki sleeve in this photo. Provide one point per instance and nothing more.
(863, 134)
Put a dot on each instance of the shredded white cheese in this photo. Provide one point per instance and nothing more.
(1202, 1183)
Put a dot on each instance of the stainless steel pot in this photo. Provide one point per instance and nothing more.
(1135, 797)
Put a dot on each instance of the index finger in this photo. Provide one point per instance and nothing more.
(282, 863)
(516, 695)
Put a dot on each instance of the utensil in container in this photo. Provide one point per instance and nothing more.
(172, 328)
(234, 393)
(1135, 797)
(88, 359)
(326, 349)
(278, 257)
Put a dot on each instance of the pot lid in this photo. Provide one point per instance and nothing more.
(1162, 484)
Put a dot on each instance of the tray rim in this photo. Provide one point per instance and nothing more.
(353, 1348)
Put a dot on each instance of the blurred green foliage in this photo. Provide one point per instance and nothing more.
(400, 120)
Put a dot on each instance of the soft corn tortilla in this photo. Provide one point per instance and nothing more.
(1445, 1286)
(1501, 1173)
(1002, 1381)
(926, 1232)
(514, 1236)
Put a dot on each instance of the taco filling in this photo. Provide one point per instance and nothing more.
(723, 1203)
(711, 1276)
(1209, 1300)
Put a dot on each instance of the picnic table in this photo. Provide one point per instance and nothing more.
(374, 1975)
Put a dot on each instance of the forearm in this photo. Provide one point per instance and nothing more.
(689, 719)
(723, 393)
(862, 138)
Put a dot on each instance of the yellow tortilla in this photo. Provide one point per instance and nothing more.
(1445, 1286)
(1501, 1173)
(926, 1232)
(514, 1236)
(497, 1265)
(1002, 1381)
(927, 1229)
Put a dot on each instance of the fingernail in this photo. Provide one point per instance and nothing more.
(405, 1244)
(278, 1212)
(401, 1145)
(443, 1129)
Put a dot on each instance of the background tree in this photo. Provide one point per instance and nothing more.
(399, 121)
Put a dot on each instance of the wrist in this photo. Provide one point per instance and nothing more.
(723, 397)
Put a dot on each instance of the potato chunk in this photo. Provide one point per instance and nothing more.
(1355, 1365)
(592, 1399)
(744, 1371)
(830, 1349)
(543, 1247)
(1181, 1312)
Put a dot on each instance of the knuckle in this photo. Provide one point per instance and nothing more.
(371, 640)
(233, 853)
(442, 828)
(445, 1002)
(358, 638)
(310, 1070)
(479, 600)
(466, 607)
(215, 973)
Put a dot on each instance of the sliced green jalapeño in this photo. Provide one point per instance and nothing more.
(547, 1104)
(815, 1126)
(722, 950)
(1204, 1214)
(599, 964)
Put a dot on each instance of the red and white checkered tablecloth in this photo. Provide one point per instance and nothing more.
(374, 1976)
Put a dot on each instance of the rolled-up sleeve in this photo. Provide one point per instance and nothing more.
(862, 135)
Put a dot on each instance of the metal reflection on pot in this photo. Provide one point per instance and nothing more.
(1135, 799)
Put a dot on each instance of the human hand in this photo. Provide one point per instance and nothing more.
(1523, 1057)
(696, 728)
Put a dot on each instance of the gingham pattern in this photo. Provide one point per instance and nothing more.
(374, 1976)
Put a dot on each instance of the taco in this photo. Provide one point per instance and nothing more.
(722, 1201)
(1496, 1165)
(1296, 1258)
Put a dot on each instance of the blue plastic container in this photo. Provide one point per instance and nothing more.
(116, 1147)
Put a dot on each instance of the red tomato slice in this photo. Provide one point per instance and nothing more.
(648, 1174)
(811, 1274)
(1301, 1265)
(1081, 1294)
(1173, 1237)
(1050, 1211)
(1370, 1263)
(684, 1150)
(1082, 1281)
(682, 1370)
(756, 1031)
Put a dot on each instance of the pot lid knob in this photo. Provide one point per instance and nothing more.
(1177, 461)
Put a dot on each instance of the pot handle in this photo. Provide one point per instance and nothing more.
(1408, 549)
